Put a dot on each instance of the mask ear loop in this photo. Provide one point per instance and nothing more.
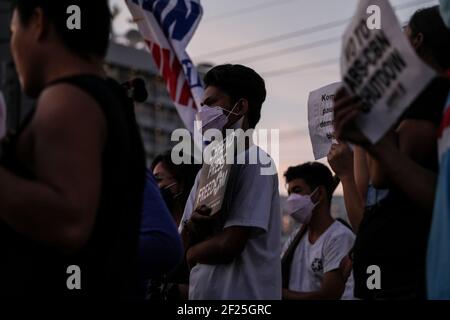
(231, 112)
(170, 186)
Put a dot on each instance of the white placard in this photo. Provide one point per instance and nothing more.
(381, 67)
(320, 119)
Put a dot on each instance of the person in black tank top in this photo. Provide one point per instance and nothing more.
(114, 236)
(72, 177)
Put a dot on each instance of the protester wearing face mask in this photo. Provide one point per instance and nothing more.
(175, 182)
(160, 247)
(311, 264)
(167, 276)
(241, 260)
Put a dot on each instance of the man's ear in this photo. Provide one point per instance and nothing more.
(242, 107)
(320, 194)
(39, 24)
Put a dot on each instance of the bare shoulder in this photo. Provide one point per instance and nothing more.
(65, 107)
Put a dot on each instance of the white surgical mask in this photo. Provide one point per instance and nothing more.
(300, 207)
(444, 8)
(213, 117)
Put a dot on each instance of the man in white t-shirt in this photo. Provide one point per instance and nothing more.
(313, 260)
(241, 260)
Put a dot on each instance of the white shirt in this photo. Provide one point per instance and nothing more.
(256, 273)
(312, 261)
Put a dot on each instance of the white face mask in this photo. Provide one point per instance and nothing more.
(213, 117)
(301, 207)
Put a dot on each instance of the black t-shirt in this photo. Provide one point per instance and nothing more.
(108, 260)
(393, 233)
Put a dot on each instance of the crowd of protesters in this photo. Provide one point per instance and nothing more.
(74, 188)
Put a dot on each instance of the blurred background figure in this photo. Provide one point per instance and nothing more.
(160, 247)
(165, 272)
(175, 182)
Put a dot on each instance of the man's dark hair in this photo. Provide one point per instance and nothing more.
(314, 174)
(239, 82)
(436, 36)
(93, 37)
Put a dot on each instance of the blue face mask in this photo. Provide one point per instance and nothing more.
(444, 8)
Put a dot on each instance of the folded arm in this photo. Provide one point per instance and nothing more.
(222, 248)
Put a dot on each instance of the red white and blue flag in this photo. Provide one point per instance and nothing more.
(167, 26)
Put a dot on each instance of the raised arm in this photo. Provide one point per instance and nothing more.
(341, 161)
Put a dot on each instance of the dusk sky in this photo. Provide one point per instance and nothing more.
(231, 23)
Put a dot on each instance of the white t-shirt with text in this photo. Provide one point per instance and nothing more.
(256, 273)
